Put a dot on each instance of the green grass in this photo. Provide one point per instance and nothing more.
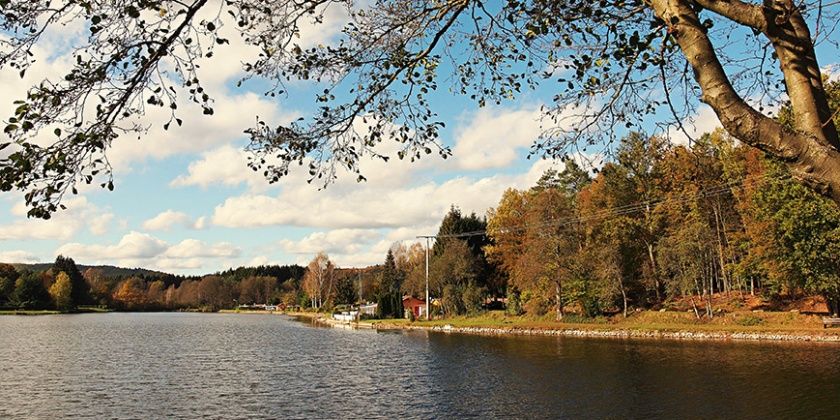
(29, 312)
(93, 309)
(80, 310)
(741, 321)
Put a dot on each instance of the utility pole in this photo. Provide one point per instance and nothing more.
(428, 315)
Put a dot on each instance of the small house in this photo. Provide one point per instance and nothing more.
(414, 306)
(368, 309)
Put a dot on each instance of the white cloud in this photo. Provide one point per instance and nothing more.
(179, 264)
(62, 226)
(225, 165)
(99, 225)
(198, 133)
(374, 206)
(832, 71)
(134, 245)
(344, 241)
(258, 261)
(167, 220)
(200, 223)
(18, 257)
(193, 248)
(494, 137)
(141, 249)
(705, 121)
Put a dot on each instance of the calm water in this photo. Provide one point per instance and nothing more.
(240, 366)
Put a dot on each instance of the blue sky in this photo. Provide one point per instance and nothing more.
(185, 202)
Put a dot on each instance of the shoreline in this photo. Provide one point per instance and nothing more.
(622, 333)
(586, 331)
(677, 332)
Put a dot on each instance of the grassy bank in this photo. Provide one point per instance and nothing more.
(28, 312)
(80, 310)
(745, 322)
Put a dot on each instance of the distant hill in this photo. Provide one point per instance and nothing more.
(107, 270)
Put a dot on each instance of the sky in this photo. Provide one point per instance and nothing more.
(185, 202)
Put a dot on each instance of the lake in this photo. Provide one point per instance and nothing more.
(181, 365)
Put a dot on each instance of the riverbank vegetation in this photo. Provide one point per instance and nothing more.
(703, 230)
(706, 229)
(62, 287)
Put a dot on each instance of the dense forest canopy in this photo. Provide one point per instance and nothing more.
(613, 65)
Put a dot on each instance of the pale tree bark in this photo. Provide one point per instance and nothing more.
(811, 151)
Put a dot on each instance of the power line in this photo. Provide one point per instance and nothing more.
(713, 191)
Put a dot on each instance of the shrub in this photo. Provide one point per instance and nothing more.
(750, 320)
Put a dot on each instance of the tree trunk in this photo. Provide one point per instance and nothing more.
(720, 243)
(694, 306)
(653, 270)
(558, 296)
(811, 152)
(623, 296)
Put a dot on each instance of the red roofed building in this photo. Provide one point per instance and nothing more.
(416, 306)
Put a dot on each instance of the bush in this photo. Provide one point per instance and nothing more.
(473, 298)
(514, 301)
(537, 306)
(750, 320)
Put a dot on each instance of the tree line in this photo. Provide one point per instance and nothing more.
(658, 224)
(64, 287)
(661, 223)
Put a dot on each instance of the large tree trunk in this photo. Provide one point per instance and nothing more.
(811, 151)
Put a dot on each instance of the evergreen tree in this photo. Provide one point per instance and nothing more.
(390, 296)
(80, 289)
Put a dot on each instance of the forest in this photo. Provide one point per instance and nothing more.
(657, 223)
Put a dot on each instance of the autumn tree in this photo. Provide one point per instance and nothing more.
(536, 237)
(100, 285)
(411, 261)
(80, 290)
(318, 280)
(61, 292)
(454, 276)
(130, 294)
(610, 65)
(215, 293)
(156, 295)
(257, 289)
(469, 229)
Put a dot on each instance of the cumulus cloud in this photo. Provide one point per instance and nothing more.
(705, 121)
(101, 224)
(134, 245)
(18, 256)
(225, 165)
(168, 219)
(494, 137)
(141, 249)
(62, 226)
(193, 248)
(344, 241)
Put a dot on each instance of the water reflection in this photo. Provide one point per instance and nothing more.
(235, 366)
